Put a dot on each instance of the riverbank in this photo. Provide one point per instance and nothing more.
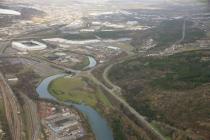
(98, 124)
(78, 90)
(87, 63)
(49, 108)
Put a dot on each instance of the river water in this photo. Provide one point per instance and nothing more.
(92, 62)
(98, 124)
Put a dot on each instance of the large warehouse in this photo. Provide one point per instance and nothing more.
(28, 45)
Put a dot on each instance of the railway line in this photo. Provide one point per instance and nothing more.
(112, 92)
(32, 118)
(12, 109)
(12, 106)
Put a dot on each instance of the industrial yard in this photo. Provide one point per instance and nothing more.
(61, 123)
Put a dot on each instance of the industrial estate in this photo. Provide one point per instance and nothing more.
(61, 122)
(104, 70)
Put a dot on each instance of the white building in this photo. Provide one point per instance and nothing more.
(28, 45)
(9, 12)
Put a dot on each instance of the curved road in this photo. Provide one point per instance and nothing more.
(115, 91)
(155, 134)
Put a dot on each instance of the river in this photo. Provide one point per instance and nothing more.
(92, 62)
(98, 124)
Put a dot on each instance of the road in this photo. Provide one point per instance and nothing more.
(30, 35)
(113, 93)
(11, 104)
(12, 110)
(115, 88)
(4, 45)
(183, 32)
(170, 50)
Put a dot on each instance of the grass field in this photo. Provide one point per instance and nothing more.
(85, 62)
(79, 90)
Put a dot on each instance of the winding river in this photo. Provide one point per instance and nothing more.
(92, 62)
(98, 124)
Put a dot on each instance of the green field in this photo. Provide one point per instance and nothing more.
(85, 62)
(79, 90)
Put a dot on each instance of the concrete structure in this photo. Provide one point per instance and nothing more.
(28, 45)
(9, 12)
(64, 126)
